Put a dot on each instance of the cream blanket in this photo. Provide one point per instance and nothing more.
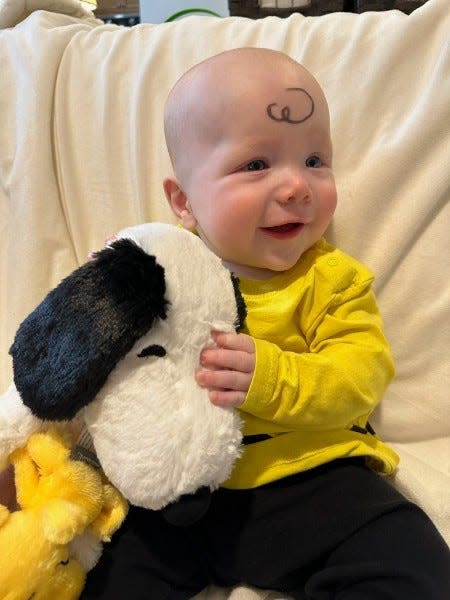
(82, 155)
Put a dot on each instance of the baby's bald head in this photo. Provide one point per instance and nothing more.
(207, 98)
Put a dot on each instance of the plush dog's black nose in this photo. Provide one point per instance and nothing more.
(189, 508)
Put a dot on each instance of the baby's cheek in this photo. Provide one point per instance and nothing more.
(331, 197)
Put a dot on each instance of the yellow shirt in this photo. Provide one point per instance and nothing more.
(322, 365)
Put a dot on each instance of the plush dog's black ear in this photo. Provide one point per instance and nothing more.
(65, 349)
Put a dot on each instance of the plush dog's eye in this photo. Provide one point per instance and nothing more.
(153, 350)
(64, 562)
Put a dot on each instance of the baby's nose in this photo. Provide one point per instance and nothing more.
(295, 188)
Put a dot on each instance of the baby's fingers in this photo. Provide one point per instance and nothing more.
(108, 241)
(219, 358)
(224, 380)
(226, 397)
(234, 341)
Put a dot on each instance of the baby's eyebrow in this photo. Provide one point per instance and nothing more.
(284, 114)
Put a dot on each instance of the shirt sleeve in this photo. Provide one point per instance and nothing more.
(341, 377)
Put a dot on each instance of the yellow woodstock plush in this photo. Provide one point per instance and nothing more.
(66, 508)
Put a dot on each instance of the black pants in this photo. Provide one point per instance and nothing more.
(338, 531)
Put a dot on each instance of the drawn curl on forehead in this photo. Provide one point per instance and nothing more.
(284, 114)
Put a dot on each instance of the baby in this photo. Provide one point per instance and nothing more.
(305, 510)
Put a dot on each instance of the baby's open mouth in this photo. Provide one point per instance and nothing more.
(286, 230)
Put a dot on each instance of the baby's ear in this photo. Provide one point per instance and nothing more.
(179, 203)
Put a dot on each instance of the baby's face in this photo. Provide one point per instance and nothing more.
(257, 176)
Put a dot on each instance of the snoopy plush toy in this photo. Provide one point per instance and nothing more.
(115, 346)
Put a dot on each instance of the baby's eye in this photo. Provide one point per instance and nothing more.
(313, 162)
(256, 165)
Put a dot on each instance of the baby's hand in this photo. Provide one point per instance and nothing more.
(230, 368)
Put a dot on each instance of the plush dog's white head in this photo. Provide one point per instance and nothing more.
(118, 343)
